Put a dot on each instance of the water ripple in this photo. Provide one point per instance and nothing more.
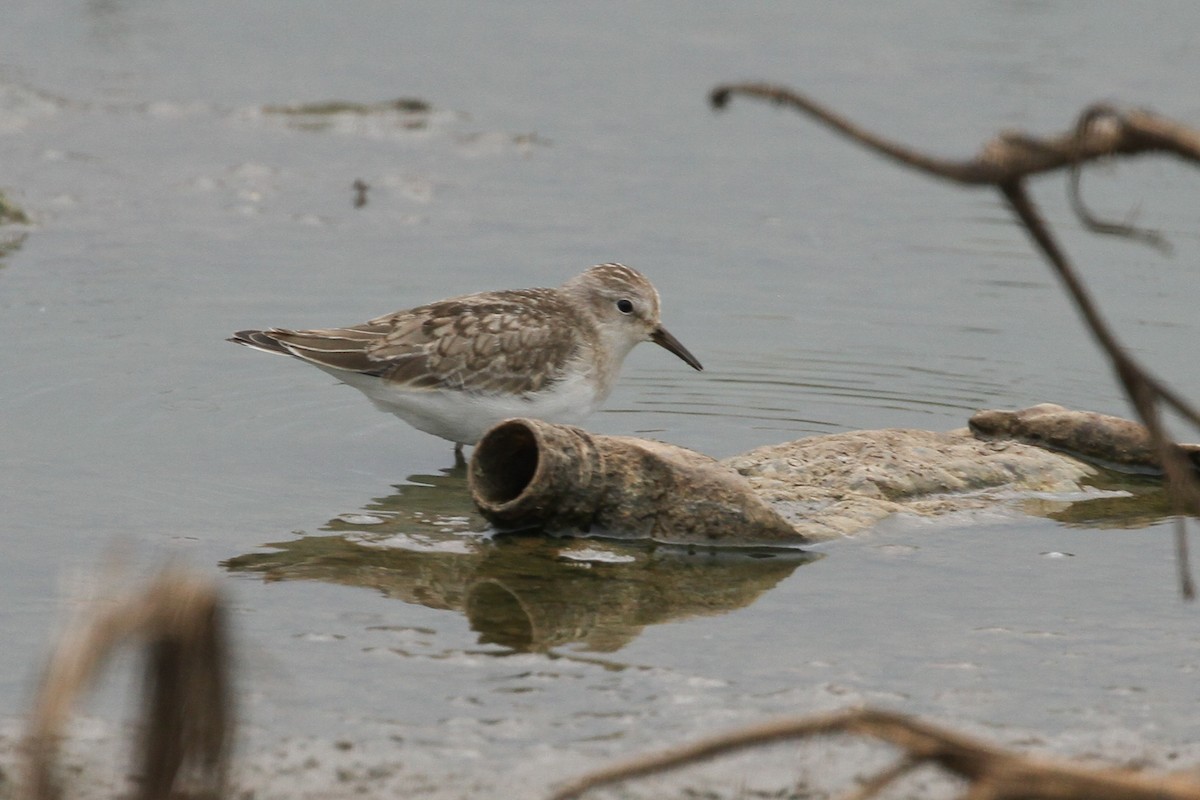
(818, 390)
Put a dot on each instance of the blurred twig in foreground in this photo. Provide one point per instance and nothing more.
(186, 719)
(991, 773)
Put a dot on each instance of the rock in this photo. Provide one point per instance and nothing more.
(1110, 442)
(834, 485)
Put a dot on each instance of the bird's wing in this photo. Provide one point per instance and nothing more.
(332, 348)
(491, 343)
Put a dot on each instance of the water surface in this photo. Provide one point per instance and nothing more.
(823, 289)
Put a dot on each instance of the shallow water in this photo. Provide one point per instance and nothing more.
(823, 289)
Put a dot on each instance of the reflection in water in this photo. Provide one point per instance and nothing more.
(526, 593)
(1135, 504)
(427, 506)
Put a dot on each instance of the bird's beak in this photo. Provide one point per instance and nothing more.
(664, 339)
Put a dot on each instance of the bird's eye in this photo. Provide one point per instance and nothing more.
(625, 306)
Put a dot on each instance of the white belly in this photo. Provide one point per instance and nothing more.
(463, 417)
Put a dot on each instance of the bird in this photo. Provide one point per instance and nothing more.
(456, 367)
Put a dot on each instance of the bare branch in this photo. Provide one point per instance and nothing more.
(885, 779)
(1010, 156)
(1004, 163)
(1125, 230)
(993, 773)
(961, 171)
(1093, 223)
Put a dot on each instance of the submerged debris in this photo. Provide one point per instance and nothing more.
(360, 188)
(841, 483)
(526, 473)
(10, 212)
(406, 113)
(1111, 442)
(409, 105)
(529, 474)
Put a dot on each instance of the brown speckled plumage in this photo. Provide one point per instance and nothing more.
(505, 344)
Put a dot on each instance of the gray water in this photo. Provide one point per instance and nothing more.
(824, 290)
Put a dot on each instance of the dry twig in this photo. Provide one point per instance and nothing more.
(186, 712)
(991, 772)
(1004, 164)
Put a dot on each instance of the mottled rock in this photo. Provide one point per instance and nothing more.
(834, 485)
(1111, 442)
